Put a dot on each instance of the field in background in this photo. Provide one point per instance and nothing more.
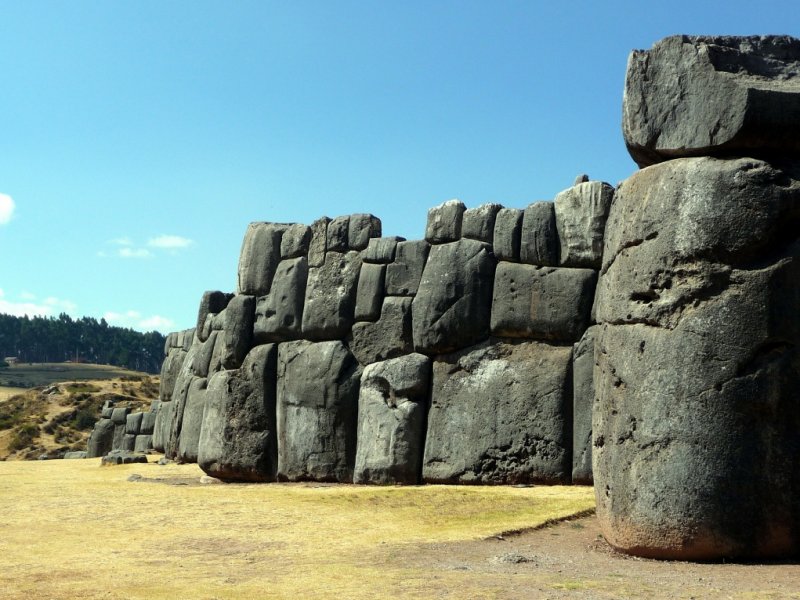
(27, 375)
(73, 529)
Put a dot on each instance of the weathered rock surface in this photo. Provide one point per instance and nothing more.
(317, 404)
(478, 223)
(295, 241)
(169, 372)
(696, 415)
(403, 275)
(189, 437)
(543, 303)
(451, 309)
(133, 422)
(319, 242)
(179, 396)
(500, 413)
(581, 212)
(381, 250)
(539, 243)
(122, 457)
(279, 315)
(212, 302)
(331, 297)
(101, 439)
(128, 443)
(389, 337)
(143, 443)
(237, 335)
(205, 355)
(702, 95)
(238, 440)
(361, 229)
(370, 292)
(119, 416)
(391, 420)
(75, 454)
(507, 232)
(582, 402)
(261, 252)
(161, 428)
(444, 222)
(338, 234)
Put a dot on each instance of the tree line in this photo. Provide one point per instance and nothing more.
(58, 339)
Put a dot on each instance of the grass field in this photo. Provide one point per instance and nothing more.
(38, 374)
(73, 529)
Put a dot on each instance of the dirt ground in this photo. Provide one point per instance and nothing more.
(571, 560)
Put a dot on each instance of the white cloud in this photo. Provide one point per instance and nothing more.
(127, 252)
(58, 303)
(25, 295)
(6, 208)
(157, 322)
(121, 241)
(169, 241)
(134, 320)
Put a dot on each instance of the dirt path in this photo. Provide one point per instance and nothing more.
(571, 560)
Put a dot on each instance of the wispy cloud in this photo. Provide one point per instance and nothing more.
(127, 252)
(49, 307)
(6, 208)
(169, 241)
(121, 241)
(135, 320)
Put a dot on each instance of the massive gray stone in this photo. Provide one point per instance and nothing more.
(238, 440)
(391, 420)
(279, 315)
(698, 370)
(331, 297)
(701, 95)
(161, 428)
(444, 222)
(390, 336)
(362, 228)
(543, 303)
(189, 437)
(319, 242)
(212, 302)
(261, 252)
(295, 241)
(205, 354)
(403, 275)
(133, 422)
(143, 443)
(581, 213)
(148, 422)
(381, 250)
(101, 439)
(237, 335)
(169, 372)
(452, 307)
(478, 222)
(119, 415)
(538, 244)
(369, 296)
(338, 234)
(317, 405)
(500, 413)
(507, 231)
(128, 443)
(179, 396)
(582, 402)
(118, 440)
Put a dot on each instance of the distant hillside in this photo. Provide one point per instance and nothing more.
(51, 339)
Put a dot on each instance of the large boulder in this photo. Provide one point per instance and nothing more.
(169, 373)
(582, 403)
(500, 414)
(696, 452)
(260, 254)
(133, 422)
(701, 95)
(444, 222)
(279, 315)
(546, 303)
(538, 243)
(478, 223)
(403, 275)
(238, 440)
(237, 333)
(100, 439)
(331, 296)
(148, 421)
(179, 397)
(381, 250)
(388, 337)
(338, 234)
(295, 241)
(189, 437)
(162, 426)
(507, 233)
(452, 307)
(211, 303)
(361, 229)
(319, 242)
(581, 212)
(391, 420)
(317, 404)
(370, 292)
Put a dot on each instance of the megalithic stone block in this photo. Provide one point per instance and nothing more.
(539, 237)
(500, 414)
(331, 297)
(544, 303)
(204, 356)
(404, 274)
(339, 234)
(370, 292)
(582, 403)
(452, 307)
(101, 439)
(381, 250)
(392, 407)
(238, 440)
(703, 95)
(279, 315)
(698, 364)
(389, 337)
(148, 422)
(444, 222)
(478, 223)
(319, 242)
(507, 232)
(581, 212)
(317, 405)
(212, 302)
(295, 241)
(237, 335)
(162, 425)
(189, 437)
(179, 397)
(133, 422)
(143, 443)
(361, 229)
(261, 252)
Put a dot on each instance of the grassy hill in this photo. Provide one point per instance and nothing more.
(52, 407)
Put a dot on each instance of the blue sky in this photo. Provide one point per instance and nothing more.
(139, 139)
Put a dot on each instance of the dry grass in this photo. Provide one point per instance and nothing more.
(72, 529)
(7, 392)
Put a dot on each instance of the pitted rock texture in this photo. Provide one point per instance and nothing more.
(319, 242)
(539, 236)
(361, 229)
(703, 95)
(404, 273)
(212, 302)
(392, 407)
(330, 301)
(444, 222)
(582, 402)
(500, 413)
(451, 309)
(696, 414)
(279, 315)
(581, 213)
(238, 440)
(259, 257)
(388, 337)
(507, 232)
(295, 241)
(478, 223)
(317, 406)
